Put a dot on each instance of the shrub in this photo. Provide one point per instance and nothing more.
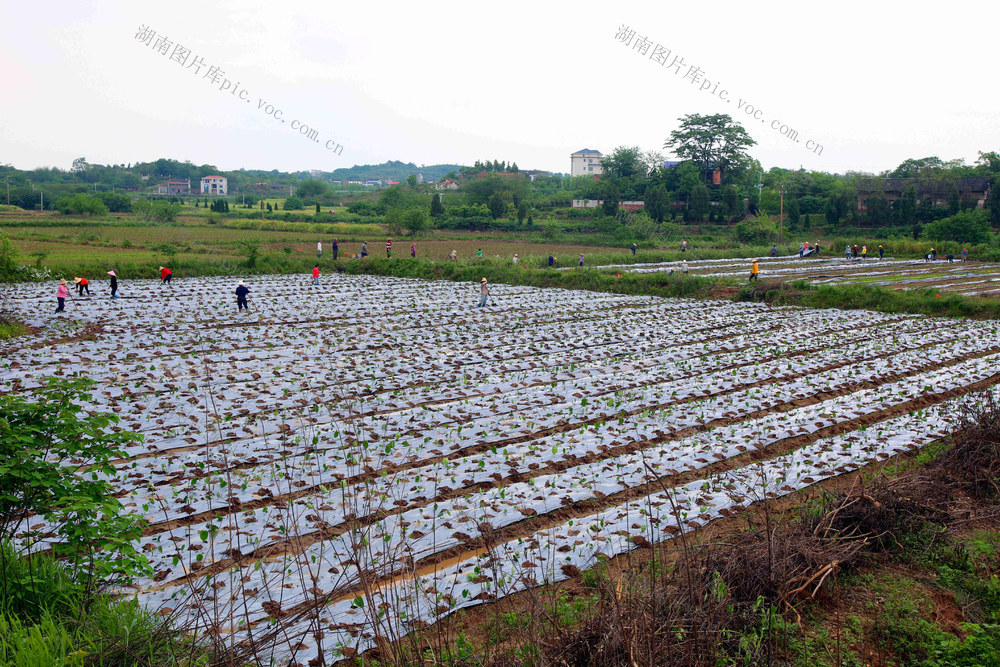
(45, 442)
(967, 227)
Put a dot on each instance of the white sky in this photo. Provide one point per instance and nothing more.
(874, 83)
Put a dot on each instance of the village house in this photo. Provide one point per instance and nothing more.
(585, 162)
(937, 191)
(213, 185)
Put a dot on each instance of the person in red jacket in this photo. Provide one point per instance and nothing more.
(388, 248)
(316, 275)
(81, 285)
(165, 275)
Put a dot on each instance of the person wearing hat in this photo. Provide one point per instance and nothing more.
(965, 254)
(114, 284)
(388, 248)
(684, 265)
(165, 275)
(453, 255)
(413, 250)
(515, 258)
(580, 263)
(881, 251)
(484, 293)
(81, 285)
(241, 296)
(336, 249)
(61, 293)
(634, 248)
(754, 271)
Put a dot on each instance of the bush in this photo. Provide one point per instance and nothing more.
(966, 227)
(45, 440)
(81, 204)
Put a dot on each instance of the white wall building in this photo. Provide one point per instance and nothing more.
(585, 162)
(213, 185)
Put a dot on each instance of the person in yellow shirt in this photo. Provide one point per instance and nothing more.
(754, 270)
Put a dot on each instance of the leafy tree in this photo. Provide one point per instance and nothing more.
(624, 162)
(9, 256)
(293, 203)
(658, 203)
(830, 210)
(414, 220)
(411, 180)
(967, 227)
(81, 204)
(908, 205)
(55, 461)
(700, 202)
(117, 202)
(794, 214)
(711, 141)
(993, 204)
(612, 197)
(390, 198)
(311, 189)
(317, 207)
(497, 205)
(731, 200)
(878, 209)
(954, 200)
(437, 206)
(522, 211)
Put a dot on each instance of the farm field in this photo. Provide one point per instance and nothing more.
(361, 458)
(966, 278)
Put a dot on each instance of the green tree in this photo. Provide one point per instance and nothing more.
(967, 227)
(711, 141)
(437, 206)
(497, 205)
(390, 198)
(522, 211)
(794, 214)
(311, 189)
(81, 204)
(658, 203)
(878, 209)
(624, 162)
(908, 205)
(700, 202)
(47, 443)
(612, 197)
(993, 204)
(411, 180)
(414, 220)
(293, 203)
(117, 202)
(954, 200)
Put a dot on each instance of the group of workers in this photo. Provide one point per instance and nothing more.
(83, 286)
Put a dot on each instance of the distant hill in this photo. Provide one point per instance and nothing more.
(393, 170)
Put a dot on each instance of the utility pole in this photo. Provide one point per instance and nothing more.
(41, 194)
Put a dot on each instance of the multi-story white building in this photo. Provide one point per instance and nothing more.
(585, 162)
(213, 185)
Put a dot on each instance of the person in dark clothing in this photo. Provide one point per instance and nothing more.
(634, 248)
(336, 249)
(552, 260)
(114, 284)
(854, 251)
(241, 296)
(881, 251)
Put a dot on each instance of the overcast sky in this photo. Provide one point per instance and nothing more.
(873, 83)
